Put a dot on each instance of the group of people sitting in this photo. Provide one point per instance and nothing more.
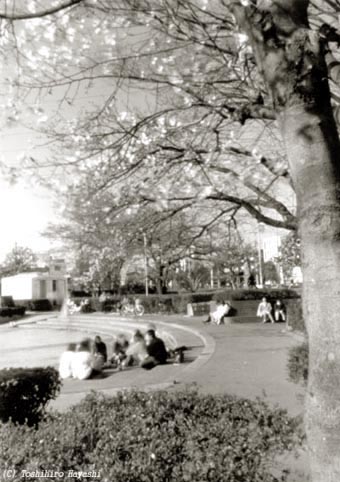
(88, 358)
(265, 311)
(83, 360)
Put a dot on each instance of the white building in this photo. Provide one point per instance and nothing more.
(44, 283)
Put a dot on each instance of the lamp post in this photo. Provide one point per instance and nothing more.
(260, 252)
(64, 311)
(146, 266)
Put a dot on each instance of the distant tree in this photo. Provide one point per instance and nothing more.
(97, 269)
(232, 261)
(197, 277)
(270, 273)
(19, 260)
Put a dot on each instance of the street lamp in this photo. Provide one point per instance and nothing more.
(260, 231)
(146, 266)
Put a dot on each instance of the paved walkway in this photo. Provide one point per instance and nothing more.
(250, 360)
(245, 359)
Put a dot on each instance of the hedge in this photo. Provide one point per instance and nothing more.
(177, 303)
(36, 305)
(12, 311)
(156, 436)
(298, 359)
(256, 294)
(24, 393)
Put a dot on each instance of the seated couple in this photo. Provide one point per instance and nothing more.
(84, 360)
(264, 311)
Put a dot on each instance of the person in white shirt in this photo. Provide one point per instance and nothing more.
(83, 361)
(264, 311)
(220, 312)
(136, 352)
(66, 361)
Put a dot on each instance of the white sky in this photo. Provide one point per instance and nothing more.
(24, 215)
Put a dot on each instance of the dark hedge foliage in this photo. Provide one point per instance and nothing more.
(7, 302)
(40, 305)
(12, 311)
(36, 305)
(298, 364)
(256, 294)
(24, 393)
(158, 436)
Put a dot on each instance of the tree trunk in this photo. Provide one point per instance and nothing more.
(291, 58)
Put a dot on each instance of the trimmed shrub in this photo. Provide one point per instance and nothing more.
(12, 311)
(41, 305)
(255, 294)
(7, 302)
(110, 304)
(298, 364)
(24, 393)
(156, 303)
(157, 436)
(86, 308)
(35, 305)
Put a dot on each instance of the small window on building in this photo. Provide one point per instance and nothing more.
(54, 285)
(57, 267)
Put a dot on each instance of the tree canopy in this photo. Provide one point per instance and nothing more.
(230, 103)
(168, 129)
(19, 260)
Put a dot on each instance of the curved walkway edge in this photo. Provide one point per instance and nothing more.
(248, 360)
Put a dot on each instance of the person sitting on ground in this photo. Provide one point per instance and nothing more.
(264, 311)
(279, 311)
(99, 352)
(136, 351)
(155, 347)
(66, 360)
(119, 350)
(99, 347)
(217, 316)
(83, 361)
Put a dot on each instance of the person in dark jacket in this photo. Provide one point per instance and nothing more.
(155, 347)
(279, 311)
(99, 348)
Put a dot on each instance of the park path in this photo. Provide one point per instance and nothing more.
(244, 359)
(250, 360)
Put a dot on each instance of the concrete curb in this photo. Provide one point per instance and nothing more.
(207, 352)
(35, 319)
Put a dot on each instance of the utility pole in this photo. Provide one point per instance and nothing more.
(146, 266)
(260, 252)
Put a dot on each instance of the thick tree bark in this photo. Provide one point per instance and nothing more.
(291, 58)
